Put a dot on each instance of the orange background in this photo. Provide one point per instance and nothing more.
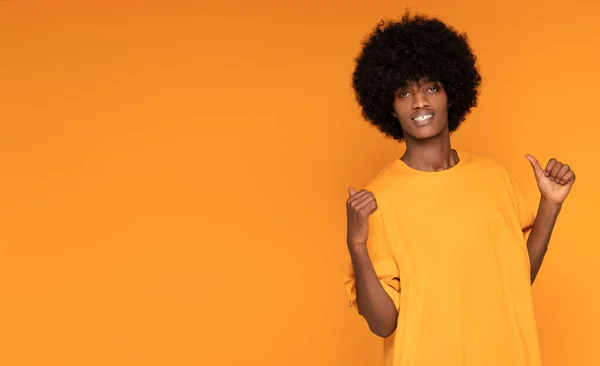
(173, 174)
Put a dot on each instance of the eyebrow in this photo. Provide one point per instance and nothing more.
(419, 84)
(428, 81)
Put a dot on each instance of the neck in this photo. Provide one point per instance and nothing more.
(433, 154)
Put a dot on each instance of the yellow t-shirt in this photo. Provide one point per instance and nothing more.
(449, 247)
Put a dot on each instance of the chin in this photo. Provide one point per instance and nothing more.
(427, 133)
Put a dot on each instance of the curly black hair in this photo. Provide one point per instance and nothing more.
(399, 52)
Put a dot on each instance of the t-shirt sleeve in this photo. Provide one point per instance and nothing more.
(383, 261)
(523, 209)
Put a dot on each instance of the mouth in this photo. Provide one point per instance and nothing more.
(423, 118)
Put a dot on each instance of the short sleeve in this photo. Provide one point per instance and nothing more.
(523, 209)
(383, 261)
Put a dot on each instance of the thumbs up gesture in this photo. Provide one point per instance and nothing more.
(555, 181)
(359, 206)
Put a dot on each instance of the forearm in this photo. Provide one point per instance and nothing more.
(537, 244)
(374, 304)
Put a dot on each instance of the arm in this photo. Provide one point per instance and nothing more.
(373, 280)
(554, 183)
(537, 244)
(374, 304)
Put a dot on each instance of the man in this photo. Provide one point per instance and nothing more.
(443, 246)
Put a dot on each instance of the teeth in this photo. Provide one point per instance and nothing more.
(423, 118)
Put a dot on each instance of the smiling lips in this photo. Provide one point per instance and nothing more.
(423, 117)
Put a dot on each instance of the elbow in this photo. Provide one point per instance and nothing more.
(381, 322)
(383, 330)
(383, 327)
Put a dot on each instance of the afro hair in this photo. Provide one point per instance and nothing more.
(399, 52)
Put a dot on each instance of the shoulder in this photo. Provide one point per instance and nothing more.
(491, 172)
(485, 165)
(389, 181)
(481, 160)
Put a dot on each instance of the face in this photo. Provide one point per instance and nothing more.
(422, 109)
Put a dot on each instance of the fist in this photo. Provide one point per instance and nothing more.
(555, 181)
(359, 206)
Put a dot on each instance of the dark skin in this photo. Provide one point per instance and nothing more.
(422, 111)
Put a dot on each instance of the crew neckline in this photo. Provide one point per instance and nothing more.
(462, 161)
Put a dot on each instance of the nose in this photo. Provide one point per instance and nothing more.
(420, 100)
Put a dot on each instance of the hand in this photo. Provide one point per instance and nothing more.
(555, 181)
(359, 206)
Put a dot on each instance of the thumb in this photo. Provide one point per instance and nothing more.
(351, 191)
(537, 169)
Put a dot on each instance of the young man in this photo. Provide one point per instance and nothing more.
(443, 246)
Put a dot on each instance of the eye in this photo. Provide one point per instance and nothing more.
(433, 89)
(403, 94)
